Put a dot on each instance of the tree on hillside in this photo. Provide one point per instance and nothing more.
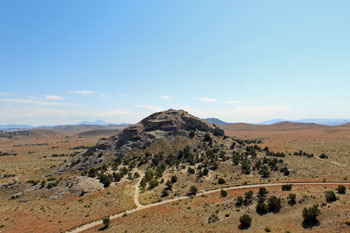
(193, 190)
(262, 191)
(292, 199)
(245, 221)
(274, 204)
(341, 189)
(330, 196)
(239, 201)
(310, 216)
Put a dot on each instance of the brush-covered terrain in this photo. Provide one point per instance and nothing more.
(173, 172)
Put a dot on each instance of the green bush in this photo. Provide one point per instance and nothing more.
(92, 172)
(222, 181)
(330, 196)
(239, 201)
(106, 180)
(153, 183)
(193, 190)
(274, 204)
(261, 208)
(223, 193)
(165, 193)
(310, 216)
(248, 197)
(341, 189)
(287, 187)
(262, 191)
(191, 170)
(292, 199)
(173, 179)
(245, 221)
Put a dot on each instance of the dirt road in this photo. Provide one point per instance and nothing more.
(141, 207)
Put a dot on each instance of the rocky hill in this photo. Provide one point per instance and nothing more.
(161, 125)
(4, 134)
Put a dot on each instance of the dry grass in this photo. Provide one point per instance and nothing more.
(192, 215)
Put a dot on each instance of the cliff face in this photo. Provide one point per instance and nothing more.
(160, 125)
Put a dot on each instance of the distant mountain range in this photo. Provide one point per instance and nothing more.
(215, 121)
(6, 127)
(99, 122)
(330, 122)
(14, 127)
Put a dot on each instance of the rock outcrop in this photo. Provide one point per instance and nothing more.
(160, 125)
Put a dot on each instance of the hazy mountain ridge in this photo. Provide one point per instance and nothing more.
(330, 122)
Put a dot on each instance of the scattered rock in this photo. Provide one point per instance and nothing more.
(81, 185)
(16, 196)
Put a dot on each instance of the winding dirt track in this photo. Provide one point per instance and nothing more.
(141, 207)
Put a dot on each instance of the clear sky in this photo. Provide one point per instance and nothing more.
(249, 61)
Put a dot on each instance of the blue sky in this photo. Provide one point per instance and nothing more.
(249, 61)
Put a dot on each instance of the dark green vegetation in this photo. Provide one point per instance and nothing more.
(205, 157)
(341, 189)
(310, 216)
(330, 196)
(245, 221)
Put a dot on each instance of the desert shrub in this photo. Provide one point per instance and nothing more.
(222, 181)
(193, 190)
(106, 221)
(169, 185)
(285, 171)
(236, 158)
(223, 193)
(239, 201)
(245, 167)
(207, 137)
(310, 216)
(274, 204)
(248, 197)
(191, 134)
(136, 175)
(262, 191)
(330, 196)
(106, 180)
(191, 170)
(117, 177)
(341, 189)
(245, 221)
(92, 172)
(173, 179)
(323, 156)
(261, 208)
(205, 171)
(264, 172)
(165, 193)
(287, 187)
(149, 175)
(214, 166)
(267, 229)
(292, 199)
(153, 183)
(103, 168)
